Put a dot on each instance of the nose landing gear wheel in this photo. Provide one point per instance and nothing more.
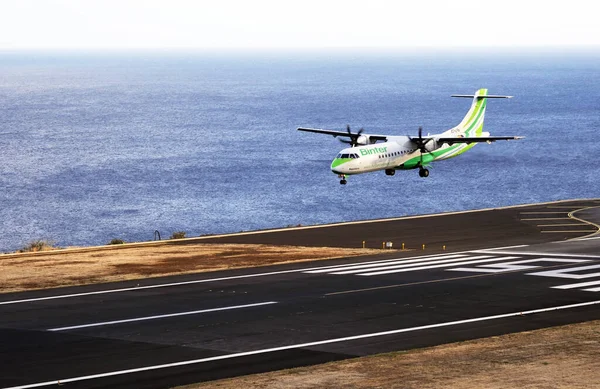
(423, 172)
(343, 182)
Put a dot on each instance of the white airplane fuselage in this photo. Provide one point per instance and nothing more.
(398, 153)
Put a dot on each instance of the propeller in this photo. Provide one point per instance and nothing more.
(353, 137)
(421, 143)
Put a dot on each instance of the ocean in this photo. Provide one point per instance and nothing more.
(98, 146)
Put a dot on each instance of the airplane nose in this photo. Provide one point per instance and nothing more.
(340, 165)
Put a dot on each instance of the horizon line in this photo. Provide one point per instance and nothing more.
(382, 49)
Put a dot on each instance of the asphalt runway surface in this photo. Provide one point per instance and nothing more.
(163, 332)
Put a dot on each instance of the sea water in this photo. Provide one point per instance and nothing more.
(101, 145)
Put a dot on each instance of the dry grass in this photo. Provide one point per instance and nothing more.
(560, 357)
(79, 267)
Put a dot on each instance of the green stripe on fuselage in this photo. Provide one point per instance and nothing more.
(339, 161)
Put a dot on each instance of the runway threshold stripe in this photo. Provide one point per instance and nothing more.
(301, 345)
(592, 290)
(108, 323)
(577, 285)
(378, 273)
(533, 253)
(419, 265)
(389, 262)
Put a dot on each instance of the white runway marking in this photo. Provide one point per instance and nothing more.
(547, 218)
(377, 273)
(515, 265)
(365, 265)
(108, 323)
(508, 247)
(301, 345)
(592, 238)
(570, 273)
(410, 266)
(577, 285)
(533, 253)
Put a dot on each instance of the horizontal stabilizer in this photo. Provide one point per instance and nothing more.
(485, 96)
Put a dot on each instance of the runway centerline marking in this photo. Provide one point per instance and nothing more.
(155, 317)
(302, 345)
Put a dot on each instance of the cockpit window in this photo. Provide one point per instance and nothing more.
(345, 156)
(355, 155)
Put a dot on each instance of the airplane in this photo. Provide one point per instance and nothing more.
(371, 152)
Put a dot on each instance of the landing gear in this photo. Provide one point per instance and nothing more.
(390, 172)
(423, 172)
(343, 182)
(343, 179)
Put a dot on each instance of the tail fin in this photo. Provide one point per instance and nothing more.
(472, 124)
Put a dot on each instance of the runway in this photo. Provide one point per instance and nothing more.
(159, 333)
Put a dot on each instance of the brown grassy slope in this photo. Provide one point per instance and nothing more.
(559, 357)
(78, 267)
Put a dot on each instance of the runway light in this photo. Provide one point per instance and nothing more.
(423, 246)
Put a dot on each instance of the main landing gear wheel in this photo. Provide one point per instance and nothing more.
(423, 172)
(390, 172)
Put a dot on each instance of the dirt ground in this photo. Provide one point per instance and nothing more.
(49, 269)
(559, 357)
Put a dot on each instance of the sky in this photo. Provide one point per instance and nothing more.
(306, 24)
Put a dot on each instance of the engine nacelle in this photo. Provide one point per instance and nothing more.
(363, 140)
(432, 145)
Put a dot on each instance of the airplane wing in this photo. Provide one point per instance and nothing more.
(478, 139)
(372, 138)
